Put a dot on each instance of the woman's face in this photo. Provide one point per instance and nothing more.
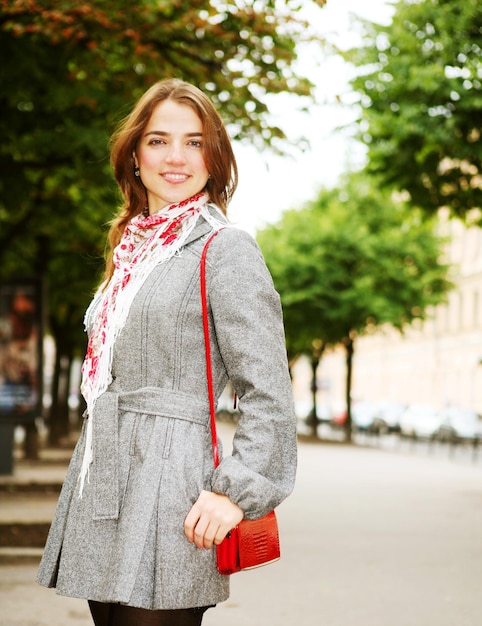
(170, 156)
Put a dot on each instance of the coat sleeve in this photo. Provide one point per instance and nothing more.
(248, 327)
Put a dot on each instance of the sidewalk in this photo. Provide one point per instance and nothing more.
(369, 538)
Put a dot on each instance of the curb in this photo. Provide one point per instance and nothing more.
(24, 555)
(30, 535)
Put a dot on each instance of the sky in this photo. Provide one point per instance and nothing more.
(270, 184)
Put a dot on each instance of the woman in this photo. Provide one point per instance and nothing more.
(142, 506)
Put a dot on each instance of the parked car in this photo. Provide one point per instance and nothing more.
(303, 408)
(420, 421)
(338, 417)
(459, 425)
(362, 415)
(387, 416)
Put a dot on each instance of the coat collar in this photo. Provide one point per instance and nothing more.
(202, 228)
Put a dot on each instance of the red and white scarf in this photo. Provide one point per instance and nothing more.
(145, 243)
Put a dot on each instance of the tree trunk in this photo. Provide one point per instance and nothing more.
(59, 409)
(349, 346)
(31, 446)
(312, 419)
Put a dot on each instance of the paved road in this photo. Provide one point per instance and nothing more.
(369, 538)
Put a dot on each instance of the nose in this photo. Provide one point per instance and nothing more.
(175, 154)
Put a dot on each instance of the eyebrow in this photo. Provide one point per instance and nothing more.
(163, 133)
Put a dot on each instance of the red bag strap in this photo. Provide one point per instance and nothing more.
(207, 344)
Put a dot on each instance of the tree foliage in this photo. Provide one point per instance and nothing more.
(419, 82)
(352, 261)
(74, 68)
(104, 53)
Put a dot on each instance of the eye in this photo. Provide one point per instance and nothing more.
(196, 144)
(156, 142)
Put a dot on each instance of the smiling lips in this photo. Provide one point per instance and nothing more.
(173, 177)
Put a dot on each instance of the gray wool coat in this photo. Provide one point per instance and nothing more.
(123, 541)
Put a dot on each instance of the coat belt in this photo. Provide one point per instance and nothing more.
(146, 401)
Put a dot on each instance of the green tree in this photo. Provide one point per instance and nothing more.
(348, 263)
(73, 68)
(419, 82)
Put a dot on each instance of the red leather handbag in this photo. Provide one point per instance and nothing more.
(251, 543)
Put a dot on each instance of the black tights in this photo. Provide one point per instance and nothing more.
(105, 614)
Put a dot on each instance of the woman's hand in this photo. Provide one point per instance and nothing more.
(210, 519)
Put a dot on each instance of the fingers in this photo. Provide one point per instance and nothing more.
(205, 537)
(190, 523)
(210, 519)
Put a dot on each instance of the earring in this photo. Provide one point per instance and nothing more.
(137, 171)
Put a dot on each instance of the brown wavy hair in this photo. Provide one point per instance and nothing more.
(217, 152)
